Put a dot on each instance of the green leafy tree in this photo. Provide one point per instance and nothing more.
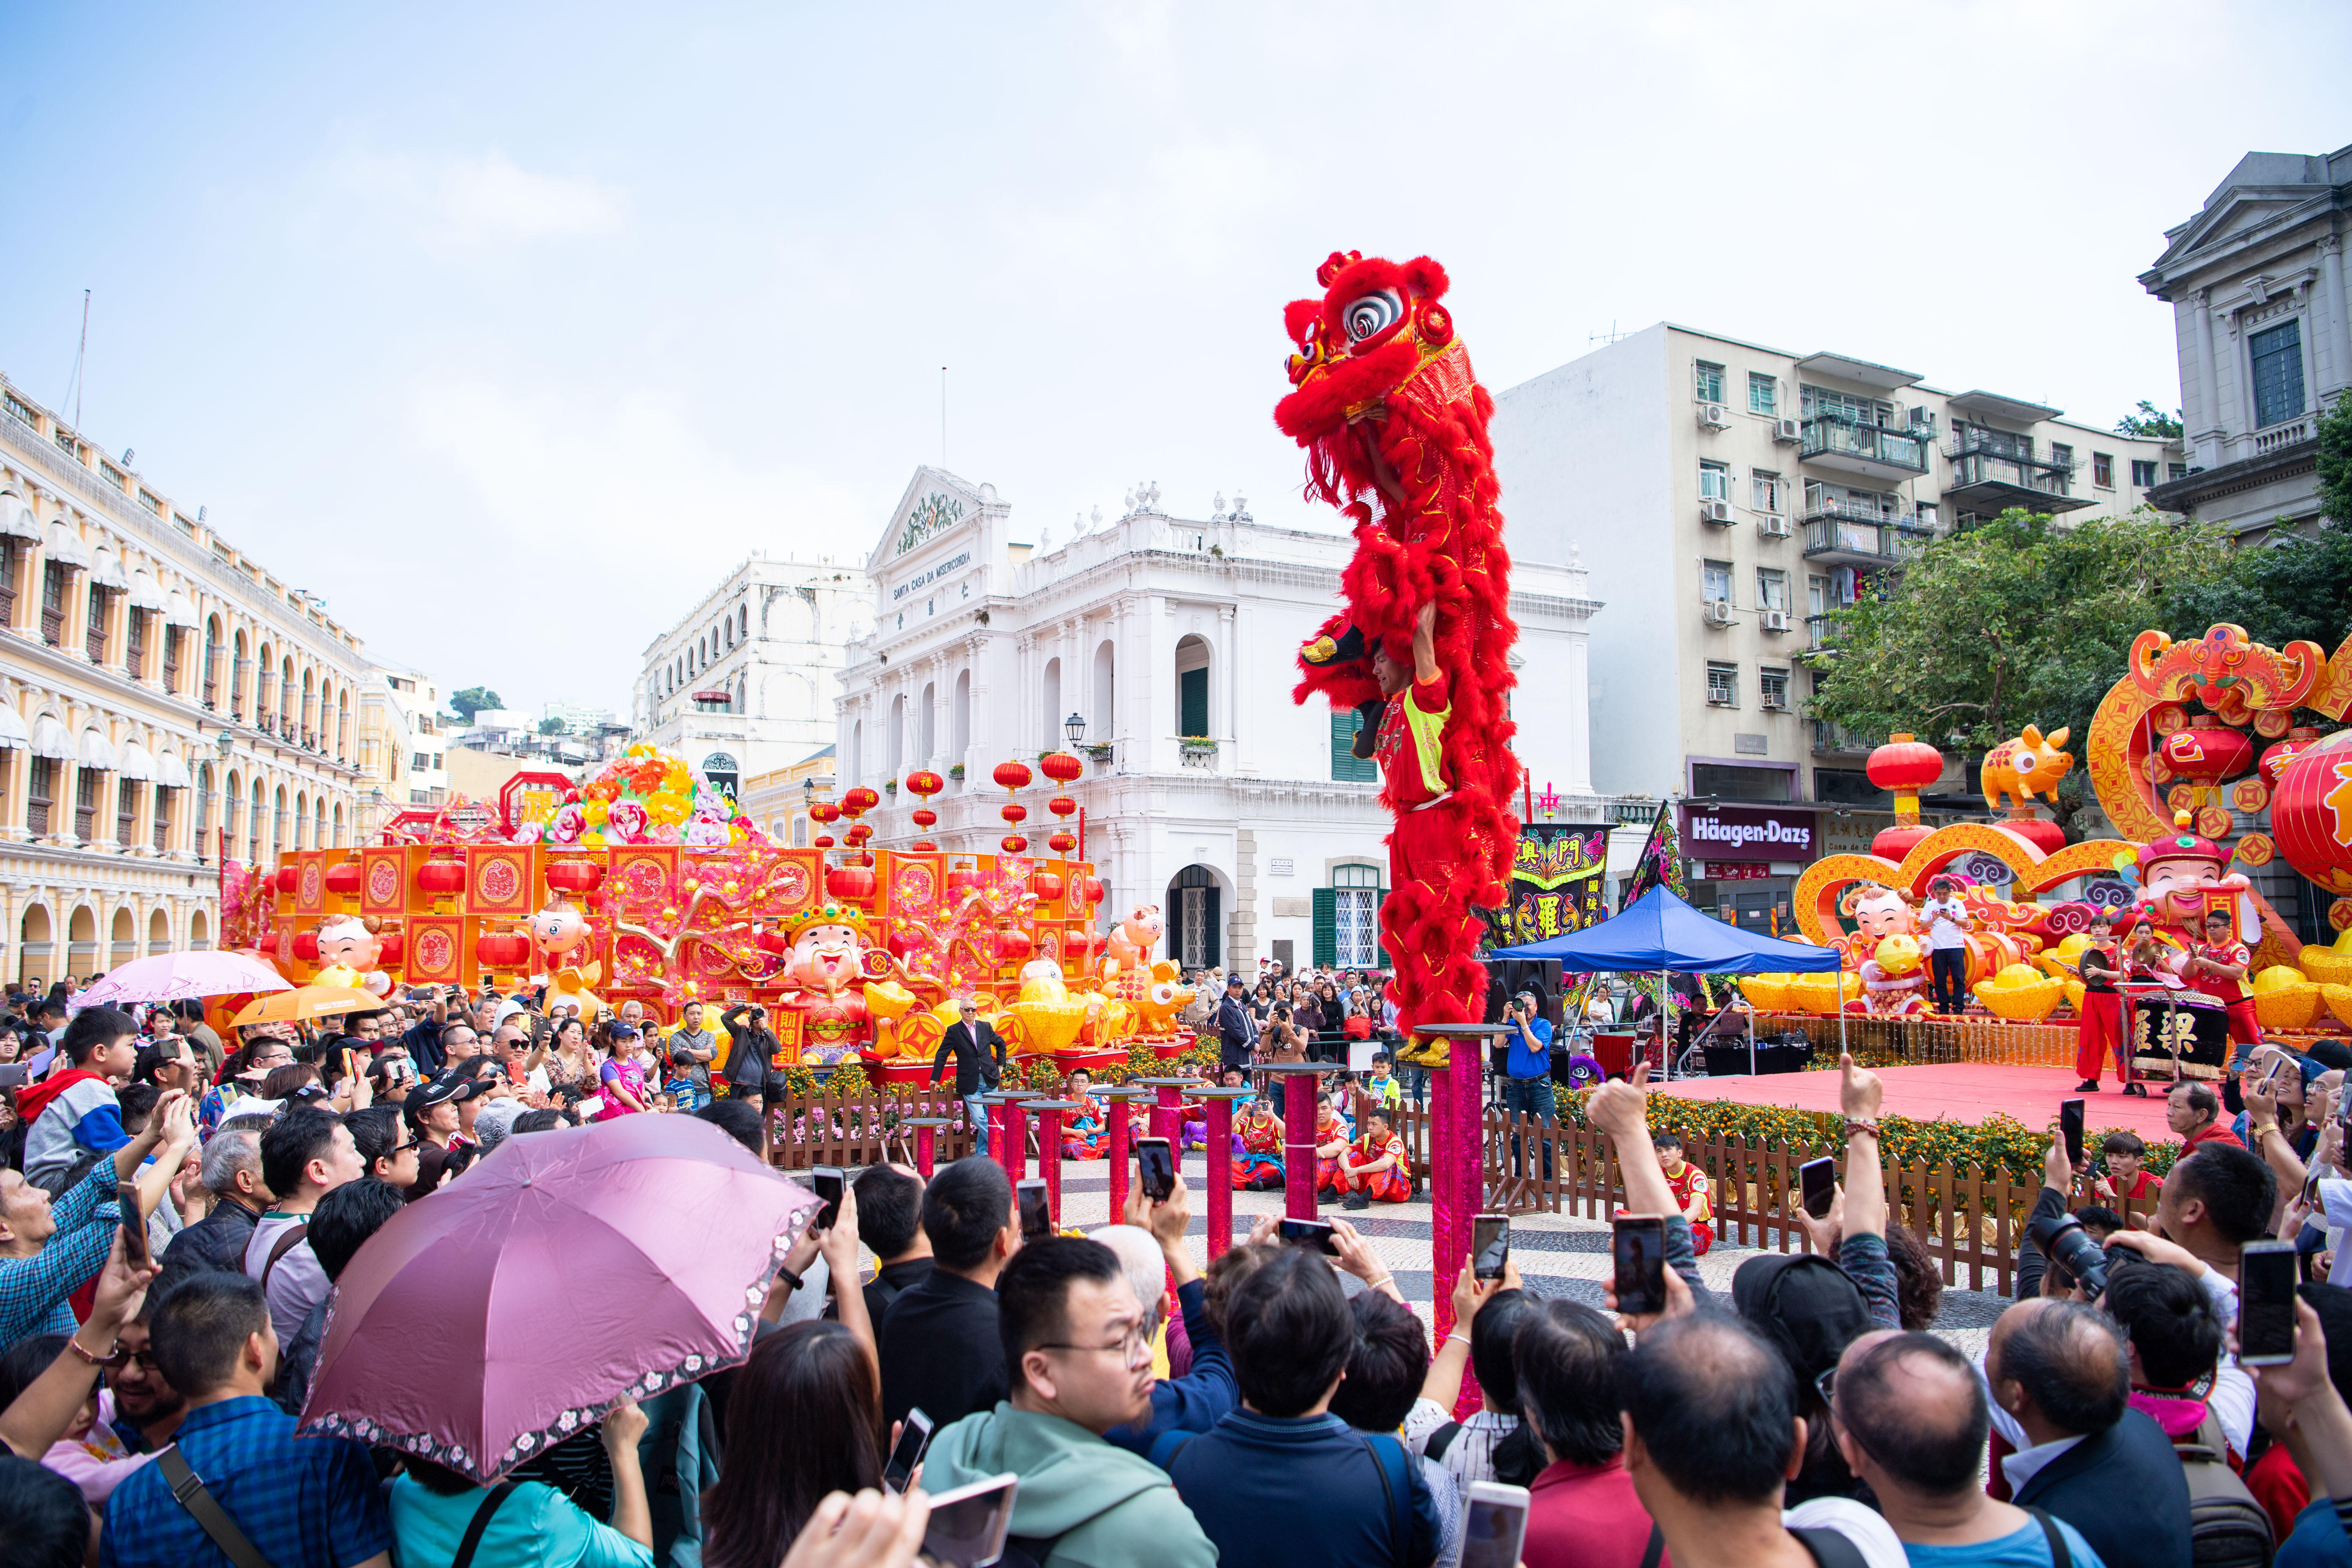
(2335, 462)
(2010, 622)
(552, 726)
(472, 701)
(2150, 422)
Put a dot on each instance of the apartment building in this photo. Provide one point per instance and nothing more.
(2256, 285)
(1724, 498)
(746, 682)
(162, 696)
(404, 742)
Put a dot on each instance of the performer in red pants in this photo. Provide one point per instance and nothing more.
(2102, 1027)
(2219, 966)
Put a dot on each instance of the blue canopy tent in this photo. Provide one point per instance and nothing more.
(1659, 932)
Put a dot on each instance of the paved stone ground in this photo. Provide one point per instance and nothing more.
(1558, 1255)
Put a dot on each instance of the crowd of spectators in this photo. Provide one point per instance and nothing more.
(1281, 1407)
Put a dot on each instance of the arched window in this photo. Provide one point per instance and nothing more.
(212, 661)
(856, 769)
(1102, 722)
(1193, 715)
(203, 804)
(1349, 911)
(200, 932)
(301, 820)
(743, 621)
(1194, 924)
(281, 825)
(927, 727)
(1052, 718)
(158, 932)
(895, 746)
(253, 825)
(959, 718)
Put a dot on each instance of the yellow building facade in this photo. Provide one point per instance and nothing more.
(163, 699)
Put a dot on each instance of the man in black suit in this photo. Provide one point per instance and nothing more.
(980, 1061)
(1236, 1029)
(2060, 1373)
(939, 1347)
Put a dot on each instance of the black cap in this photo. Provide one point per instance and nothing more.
(1806, 1306)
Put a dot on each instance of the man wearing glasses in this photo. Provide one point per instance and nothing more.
(1081, 1352)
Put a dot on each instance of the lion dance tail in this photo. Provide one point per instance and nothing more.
(1394, 424)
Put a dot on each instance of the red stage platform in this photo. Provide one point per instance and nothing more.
(1963, 1092)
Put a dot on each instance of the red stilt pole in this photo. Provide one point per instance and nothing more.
(1049, 1150)
(1121, 1109)
(1220, 1166)
(1298, 1143)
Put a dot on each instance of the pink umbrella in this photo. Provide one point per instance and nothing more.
(564, 1272)
(181, 977)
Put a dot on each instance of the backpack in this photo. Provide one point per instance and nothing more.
(2227, 1528)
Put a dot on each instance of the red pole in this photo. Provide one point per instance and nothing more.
(1299, 1145)
(1049, 1150)
(1017, 1140)
(923, 1150)
(1118, 1150)
(1219, 1166)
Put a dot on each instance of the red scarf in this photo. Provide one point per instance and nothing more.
(31, 1103)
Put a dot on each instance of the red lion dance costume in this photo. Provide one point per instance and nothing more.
(1394, 424)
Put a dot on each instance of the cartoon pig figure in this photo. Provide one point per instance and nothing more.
(2020, 767)
(1133, 939)
(559, 928)
(349, 950)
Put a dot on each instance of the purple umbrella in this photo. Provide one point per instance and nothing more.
(566, 1271)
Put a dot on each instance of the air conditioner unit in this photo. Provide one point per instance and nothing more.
(1721, 700)
(1716, 511)
(1718, 612)
(1714, 415)
(1776, 705)
(1924, 419)
(1772, 527)
(1787, 430)
(1776, 620)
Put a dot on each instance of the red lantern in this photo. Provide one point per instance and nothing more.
(389, 946)
(1014, 843)
(958, 883)
(1013, 811)
(850, 884)
(1046, 886)
(2311, 817)
(925, 783)
(2205, 752)
(1060, 766)
(823, 841)
(825, 811)
(1012, 775)
(924, 816)
(860, 801)
(1061, 806)
(443, 876)
(574, 873)
(288, 878)
(343, 878)
(502, 949)
(306, 946)
(859, 832)
(1094, 889)
(1012, 945)
(1062, 843)
(2279, 753)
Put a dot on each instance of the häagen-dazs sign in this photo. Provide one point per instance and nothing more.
(1748, 832)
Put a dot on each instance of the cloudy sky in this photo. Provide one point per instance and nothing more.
(512, 328)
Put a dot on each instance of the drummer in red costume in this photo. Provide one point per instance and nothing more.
(2101, 1026)
(2218, 966)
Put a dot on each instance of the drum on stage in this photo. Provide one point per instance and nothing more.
(2176, 1035)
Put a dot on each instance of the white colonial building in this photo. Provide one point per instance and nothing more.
(1168, 644)
(746, 682)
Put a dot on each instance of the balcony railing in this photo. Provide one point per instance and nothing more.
(163, 833)
(53, 625)
(1861, 545)
(85, 818)
(1822, 629)
(37, 817)
(1833, 737)
(1974, 441)
(1869, 448)
(1845, 509)
(123, 827)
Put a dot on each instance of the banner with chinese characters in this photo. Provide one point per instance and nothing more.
(1557, 881)
(1660, 864)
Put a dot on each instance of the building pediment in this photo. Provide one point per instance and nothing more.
(2243, 215)
(936, 505)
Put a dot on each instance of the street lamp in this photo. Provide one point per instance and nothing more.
(1075, 727)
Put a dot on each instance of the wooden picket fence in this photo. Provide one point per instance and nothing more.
(1971, 1222)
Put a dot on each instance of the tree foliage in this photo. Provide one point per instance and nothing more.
(472, 701)
(552, 727)
(2150, 422)
(2335, 462)
(2019, 622)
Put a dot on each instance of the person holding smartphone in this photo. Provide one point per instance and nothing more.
(1527, 1082)
(1947, 943)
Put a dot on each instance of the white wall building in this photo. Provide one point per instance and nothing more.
(403, 745)
(746, 682)
(1207, 791)
(1726, 497)
(2265, 324)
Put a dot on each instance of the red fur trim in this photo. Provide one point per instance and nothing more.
(1320, 407)
(1299, 315)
